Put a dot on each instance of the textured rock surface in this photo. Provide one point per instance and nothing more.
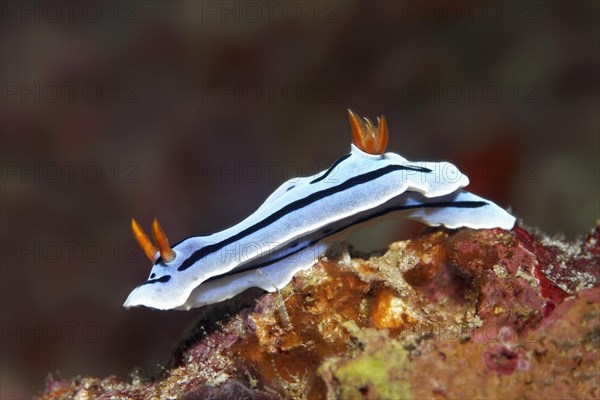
(449, 314)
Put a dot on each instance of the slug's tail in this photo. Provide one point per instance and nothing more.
(458, 209)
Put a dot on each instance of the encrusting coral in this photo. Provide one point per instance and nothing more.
(448, 314)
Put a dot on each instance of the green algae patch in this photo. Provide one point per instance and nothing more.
(377, 370)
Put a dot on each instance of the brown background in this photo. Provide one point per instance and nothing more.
(194, 112)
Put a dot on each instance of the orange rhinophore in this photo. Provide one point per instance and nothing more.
(383, 134)
(144, 241)
(166, 252)
(368, 138)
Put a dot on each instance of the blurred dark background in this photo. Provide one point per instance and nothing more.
(194, 112)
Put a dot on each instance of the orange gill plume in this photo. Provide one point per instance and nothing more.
(366, 136)
(150, 250)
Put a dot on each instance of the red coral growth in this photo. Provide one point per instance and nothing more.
(499, 269)
(501, 359)
(559, 360)
(473, 251)
(545, 256)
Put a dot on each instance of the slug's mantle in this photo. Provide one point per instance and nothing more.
(296, 224)
(448, 314)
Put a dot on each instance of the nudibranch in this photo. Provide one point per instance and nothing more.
(296, 224)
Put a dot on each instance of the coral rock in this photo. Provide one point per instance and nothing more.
(448, 314)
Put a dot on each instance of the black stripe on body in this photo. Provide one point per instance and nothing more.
(294, 206)
(162, 279)
(323, 235)
(330, 170)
